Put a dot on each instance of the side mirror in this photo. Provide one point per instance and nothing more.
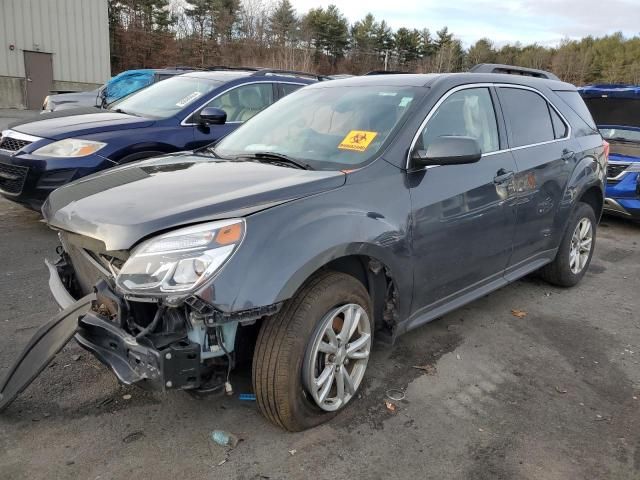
(448, 150)
(213, 116)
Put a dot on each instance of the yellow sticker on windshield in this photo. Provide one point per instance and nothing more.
(357, 140)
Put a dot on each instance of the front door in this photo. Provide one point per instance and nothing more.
(38, 71)
(463, 216)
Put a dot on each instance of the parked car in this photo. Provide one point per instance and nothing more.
(118, 87)
(351, 210)
(182, 113)
(615, 110)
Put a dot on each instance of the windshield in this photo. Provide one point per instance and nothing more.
(330, 128)
(166, 98)
(620, 134)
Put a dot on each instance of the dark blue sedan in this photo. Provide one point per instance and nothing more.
(39, 155)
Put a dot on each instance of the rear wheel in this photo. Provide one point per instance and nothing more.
(576, 249)
(311, 357)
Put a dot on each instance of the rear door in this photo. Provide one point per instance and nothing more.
(540, 139)
(463, 216)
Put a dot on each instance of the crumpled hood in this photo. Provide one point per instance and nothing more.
(123, 205)
(78, 122)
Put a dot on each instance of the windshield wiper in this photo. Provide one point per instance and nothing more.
(268, 157)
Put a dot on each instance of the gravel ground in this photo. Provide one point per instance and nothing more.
(551, 395)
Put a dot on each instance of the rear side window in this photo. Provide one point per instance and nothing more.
(468, 113)
(559, 127)
(575, 102)
(527, 115)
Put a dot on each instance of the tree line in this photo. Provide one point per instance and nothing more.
(202, 33)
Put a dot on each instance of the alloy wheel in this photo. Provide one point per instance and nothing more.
(337, 356)
(581, 244)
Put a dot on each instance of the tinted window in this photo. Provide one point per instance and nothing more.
(559, 127)
(575, 102)
(468, 113)
(244, 102)
(527, 116)
(288, 88)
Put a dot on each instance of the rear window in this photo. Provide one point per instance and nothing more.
(527, 114)
(575, 102)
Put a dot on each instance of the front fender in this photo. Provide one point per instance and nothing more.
(286, 244)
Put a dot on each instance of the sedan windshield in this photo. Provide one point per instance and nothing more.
(166, 98)
(329, 128)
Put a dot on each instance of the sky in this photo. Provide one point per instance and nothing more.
(545, 22)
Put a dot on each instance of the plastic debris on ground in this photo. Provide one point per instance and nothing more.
(225, 439)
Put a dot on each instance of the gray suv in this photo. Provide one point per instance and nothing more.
(349, 210)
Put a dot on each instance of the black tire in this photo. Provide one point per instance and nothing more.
(281, 347)
(558, 272)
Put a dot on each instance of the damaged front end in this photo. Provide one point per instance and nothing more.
(148, 337)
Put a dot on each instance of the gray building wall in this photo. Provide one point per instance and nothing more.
(75, 32)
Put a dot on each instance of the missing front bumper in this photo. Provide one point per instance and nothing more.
(176, 366)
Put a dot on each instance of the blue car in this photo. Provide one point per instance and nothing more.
(615, 109)
(118, 87)
(184, 112)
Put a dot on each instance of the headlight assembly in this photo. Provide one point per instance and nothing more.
(70, 147)
(180, 261)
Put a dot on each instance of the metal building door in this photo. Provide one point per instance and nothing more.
(38, 70)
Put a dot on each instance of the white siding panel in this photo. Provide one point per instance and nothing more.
(76, 32)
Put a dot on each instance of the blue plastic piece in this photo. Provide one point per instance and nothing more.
(128, 82)
(248, 397)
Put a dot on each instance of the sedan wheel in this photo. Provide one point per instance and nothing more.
(337, 357)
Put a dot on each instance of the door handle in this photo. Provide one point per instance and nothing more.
(503, 176)
(567, 155)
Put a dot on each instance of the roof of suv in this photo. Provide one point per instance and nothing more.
(226, 75)
(428, 79)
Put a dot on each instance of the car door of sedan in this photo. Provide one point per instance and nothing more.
(463, 216)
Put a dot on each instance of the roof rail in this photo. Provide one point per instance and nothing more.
(276, 71)
(179, 67)
(225, 67)
(384, 72)
(512, 70)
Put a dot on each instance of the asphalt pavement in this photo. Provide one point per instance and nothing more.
(530, 382)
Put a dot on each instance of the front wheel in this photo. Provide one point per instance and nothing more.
(576, 249)
(311, 357)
